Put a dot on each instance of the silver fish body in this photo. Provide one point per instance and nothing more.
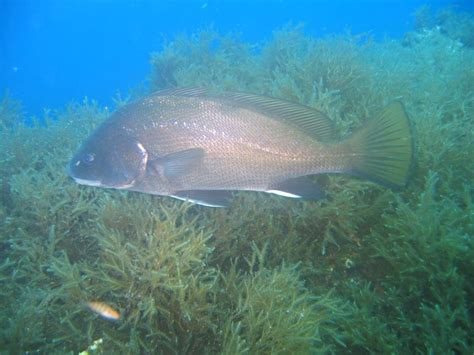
(198, 147)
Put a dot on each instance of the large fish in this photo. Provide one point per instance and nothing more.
(199, 147)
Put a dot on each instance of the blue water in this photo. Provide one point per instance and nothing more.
(56, 51)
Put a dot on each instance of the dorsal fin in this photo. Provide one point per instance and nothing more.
(186, 91)
(310, 120)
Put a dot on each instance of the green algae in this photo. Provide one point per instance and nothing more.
(10, 111)
(422, 257)
(273, 312)
(366, 271)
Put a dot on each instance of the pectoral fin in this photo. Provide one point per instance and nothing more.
(177, 164)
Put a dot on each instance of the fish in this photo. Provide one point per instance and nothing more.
(104, 310)
(201, 147)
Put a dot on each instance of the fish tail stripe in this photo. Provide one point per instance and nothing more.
(383, 150)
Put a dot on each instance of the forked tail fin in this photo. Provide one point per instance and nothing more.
(383, 150)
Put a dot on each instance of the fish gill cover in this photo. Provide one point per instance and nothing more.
(368, 270)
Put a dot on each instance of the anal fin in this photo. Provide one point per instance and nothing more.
(301, 187)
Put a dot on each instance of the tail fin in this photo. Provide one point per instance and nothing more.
(383, 150)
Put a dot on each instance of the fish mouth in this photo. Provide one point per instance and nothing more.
(70, 173)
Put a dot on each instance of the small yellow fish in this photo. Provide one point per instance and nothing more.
(104, 310)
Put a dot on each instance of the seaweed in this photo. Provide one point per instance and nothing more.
(456, 25)
(422, 254)
(275, 313)
(204, 59)
(10, 112)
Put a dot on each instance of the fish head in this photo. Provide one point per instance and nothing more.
(109, 160)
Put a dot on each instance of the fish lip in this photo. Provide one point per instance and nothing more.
(96, 183)
(70, 173)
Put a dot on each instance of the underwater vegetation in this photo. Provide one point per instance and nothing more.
(456, 25)
(368, 270)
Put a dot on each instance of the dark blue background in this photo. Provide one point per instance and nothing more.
(56, 51)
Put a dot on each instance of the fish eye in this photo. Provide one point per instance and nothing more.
(89, 158)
